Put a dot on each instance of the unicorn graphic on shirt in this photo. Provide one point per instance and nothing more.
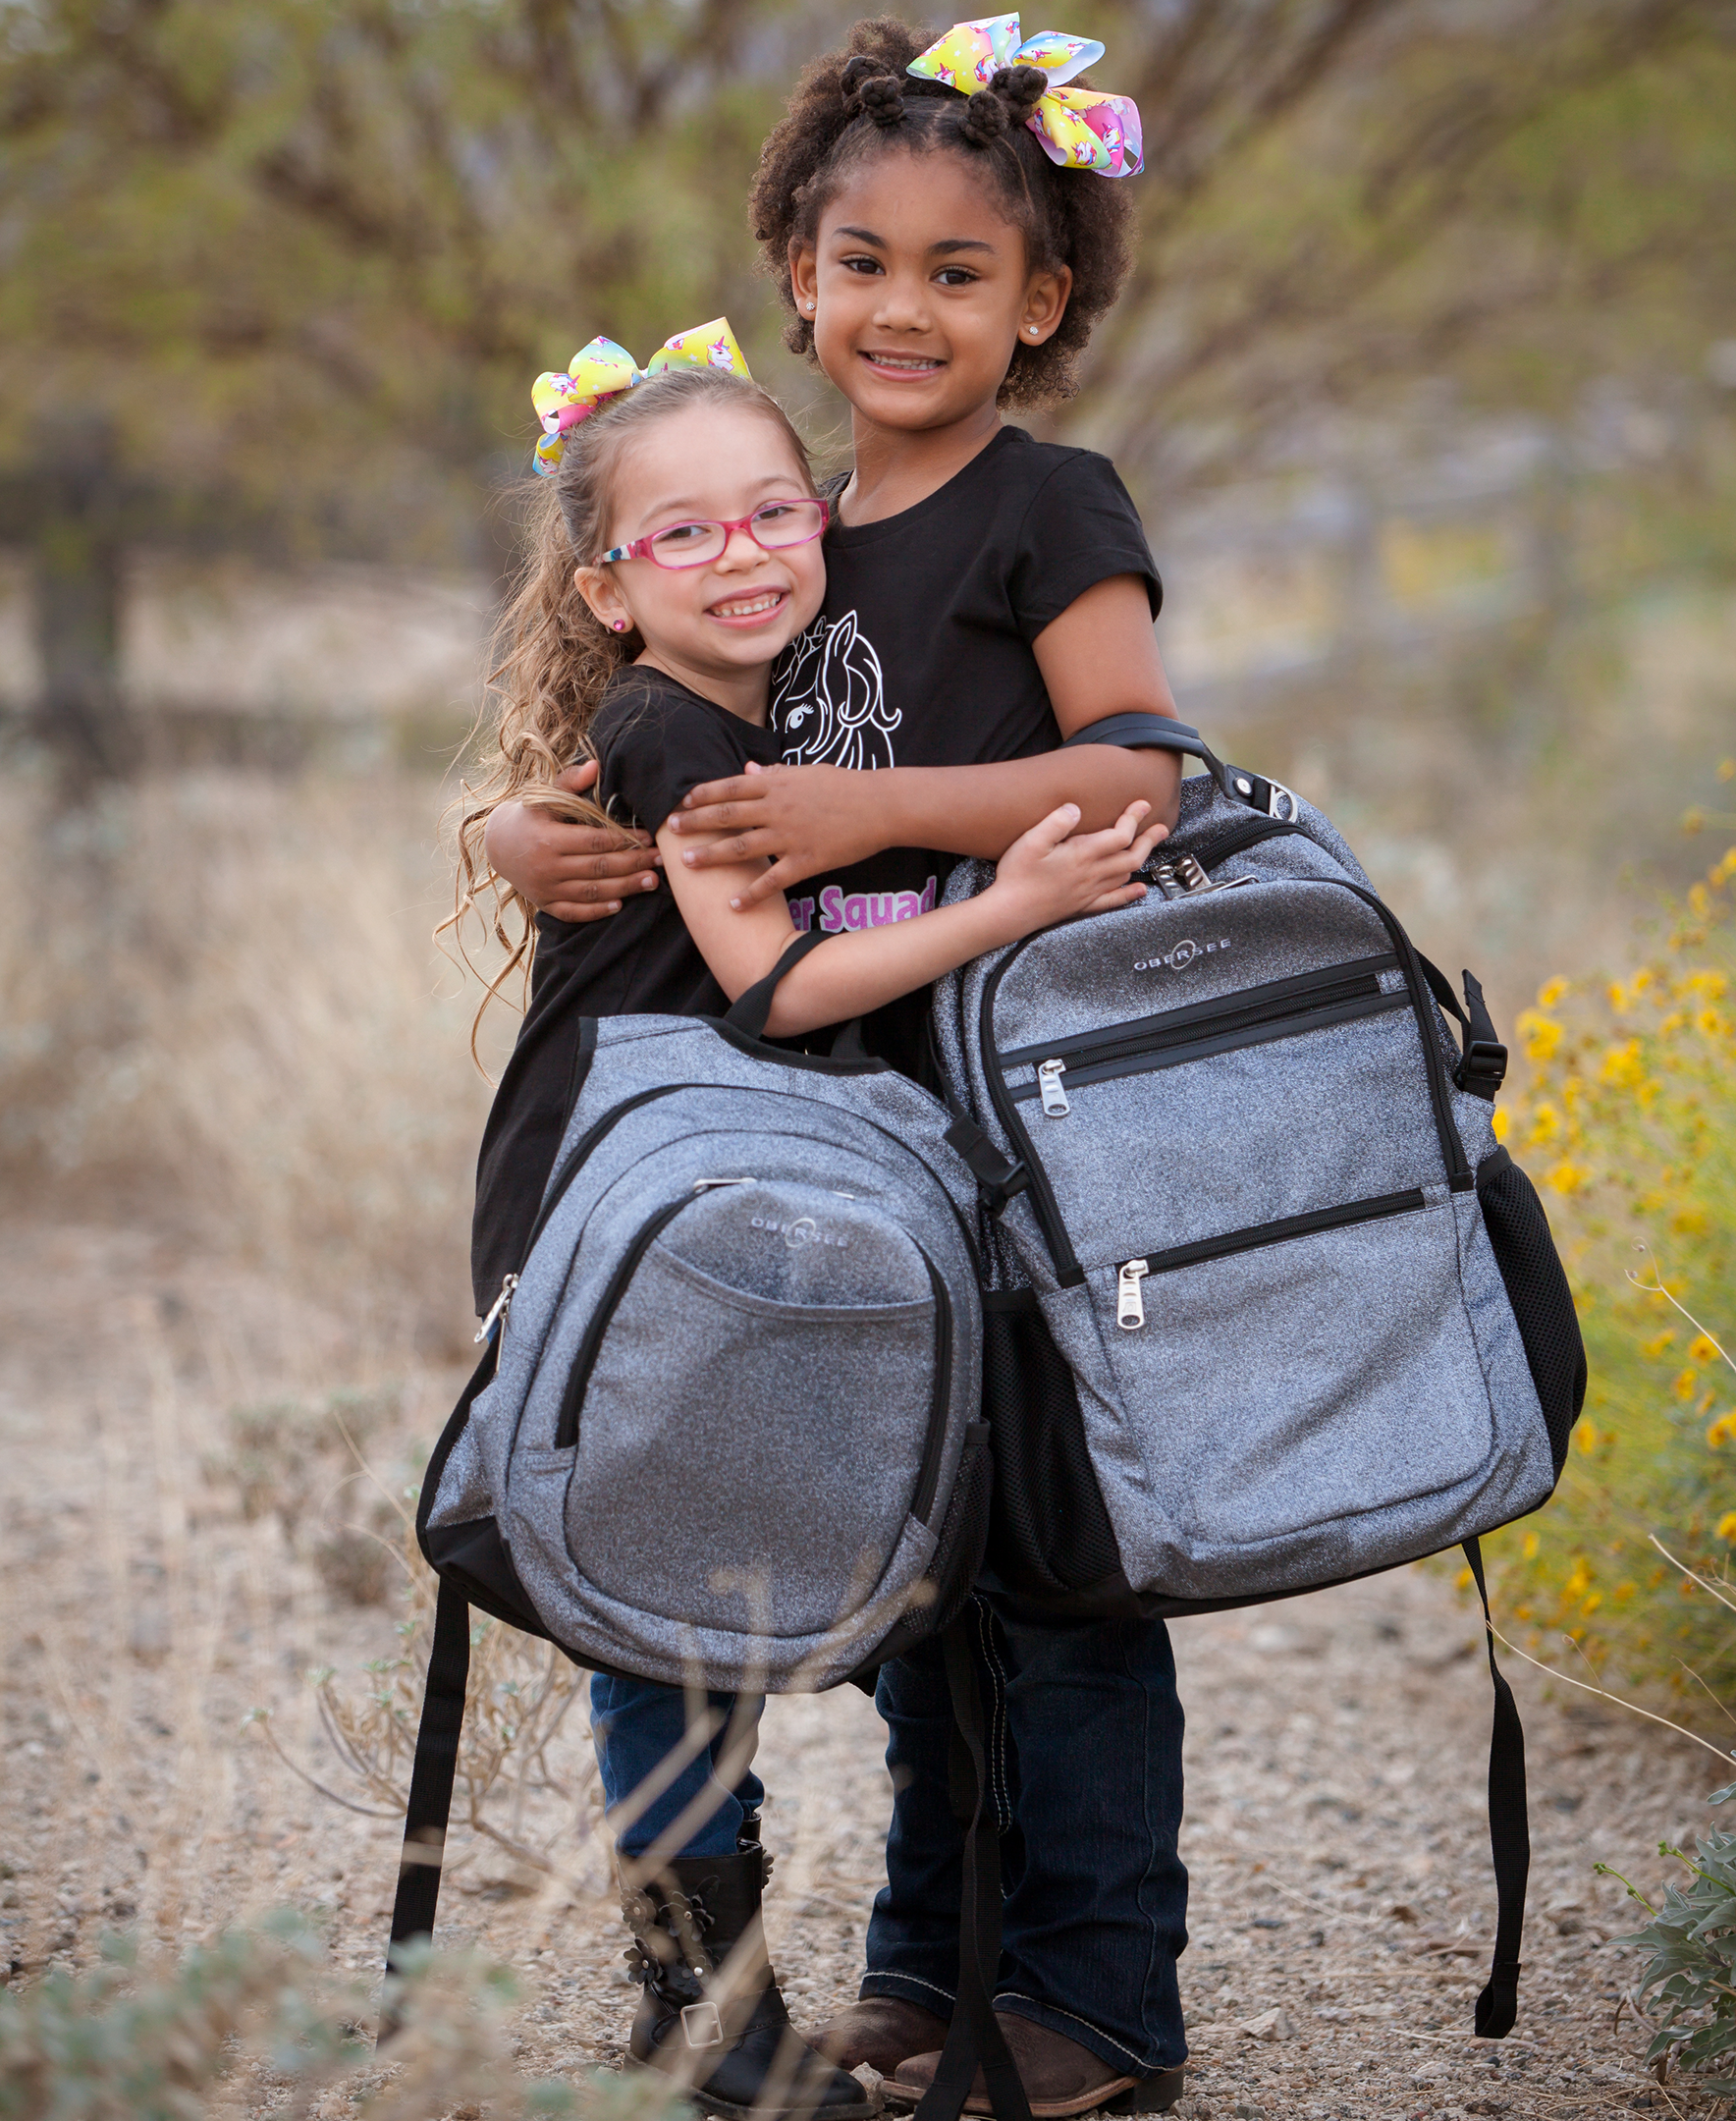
(829, 698)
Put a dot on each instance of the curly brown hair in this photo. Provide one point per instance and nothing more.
(859, 101)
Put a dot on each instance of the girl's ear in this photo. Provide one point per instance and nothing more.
(598, 586)
(1046, 304)
(804, 274)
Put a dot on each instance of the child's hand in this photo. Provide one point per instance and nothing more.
(576, 872)
(1045, 876)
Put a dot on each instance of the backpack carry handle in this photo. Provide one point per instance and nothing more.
(751, 1011)
(1166, 732)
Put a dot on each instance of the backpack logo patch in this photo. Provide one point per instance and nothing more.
(1181, 957)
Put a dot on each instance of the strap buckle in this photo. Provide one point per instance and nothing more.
(706, 2016)
(997, 1177)
(1482, 1068)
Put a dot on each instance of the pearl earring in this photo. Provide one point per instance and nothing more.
(1032, 329)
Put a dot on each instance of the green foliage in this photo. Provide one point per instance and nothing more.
(205, 2035)
(1629, 1124)
(1688, 1978)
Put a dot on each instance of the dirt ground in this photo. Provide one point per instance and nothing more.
(1335, 1832)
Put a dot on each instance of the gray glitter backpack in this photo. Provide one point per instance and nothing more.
(1267, 1306)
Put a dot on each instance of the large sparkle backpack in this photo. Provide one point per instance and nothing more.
(1267, 1306)
(727, 1426)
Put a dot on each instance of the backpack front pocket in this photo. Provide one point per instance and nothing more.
(1289, 1437)
(766, 1367)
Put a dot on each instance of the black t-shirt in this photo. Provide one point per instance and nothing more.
(922, 655)
(654, 741)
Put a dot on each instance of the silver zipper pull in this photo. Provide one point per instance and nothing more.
(497, 1311)
(1129, 1298)
(1054, 1097)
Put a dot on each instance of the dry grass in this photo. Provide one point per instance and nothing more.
(220, 1010)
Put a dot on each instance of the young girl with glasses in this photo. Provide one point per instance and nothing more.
(944, 223)
(678, 555)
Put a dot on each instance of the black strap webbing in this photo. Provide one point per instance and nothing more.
(1509, 1835)
(975, 2034)
(430, 1783)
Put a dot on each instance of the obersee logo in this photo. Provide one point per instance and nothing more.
(1181, 957)
(805, 1230)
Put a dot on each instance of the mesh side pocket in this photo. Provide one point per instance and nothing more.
(1537, 1288)
(1047, 1529)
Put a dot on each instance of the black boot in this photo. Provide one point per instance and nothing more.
(741, 2054)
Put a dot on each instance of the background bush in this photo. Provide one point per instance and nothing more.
(1627, 1121)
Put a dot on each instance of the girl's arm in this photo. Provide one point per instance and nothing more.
(1045, 876)
(576, 872)
(1097, 659)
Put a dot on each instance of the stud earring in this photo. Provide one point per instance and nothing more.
(1032, 329)
(807, 305)
(620, 625)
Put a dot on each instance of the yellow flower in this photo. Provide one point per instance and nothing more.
(1700, 899)
(1622, 1067)
(1585, 1436)
(1593, 1603)
(1617, 993)
(1551, 992)
(1727, 1525)
(1713, 985)
(1727, 771)
(1566, 1177)
(1658, 1341)
(1530, 1545)
(1720, 1433)
(1545, 1124)
(1704, 1349)
(1684, 1385)
(1642, 979)
(1542, 1034)
(1672, 1022)
(1722, 872)
(1500, 1124)
(1463, 1579)
(1709, 1022)
(1624, 1590)
(1580, 1581)
(1690, 1221)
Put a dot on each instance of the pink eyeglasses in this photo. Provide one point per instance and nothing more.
(774, 527)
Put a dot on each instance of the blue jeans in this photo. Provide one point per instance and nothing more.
(637, 1724)
(1084, 1751)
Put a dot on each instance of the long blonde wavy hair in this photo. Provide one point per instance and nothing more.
(551, 657)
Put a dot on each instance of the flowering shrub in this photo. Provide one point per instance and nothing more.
(1627, 1125)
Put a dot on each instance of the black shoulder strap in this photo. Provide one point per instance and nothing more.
(1509, 1835)
(430, 1783)
(748, 1012)
(975, 2034)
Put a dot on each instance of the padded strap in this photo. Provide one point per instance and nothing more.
(430, 1783)
(975, 2033)
(1157, 731)
(1509, 1835)
(751, 1011)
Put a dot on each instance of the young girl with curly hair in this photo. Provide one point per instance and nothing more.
(944, 255)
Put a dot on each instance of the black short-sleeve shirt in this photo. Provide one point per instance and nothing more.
(654, 741)
(922, 654)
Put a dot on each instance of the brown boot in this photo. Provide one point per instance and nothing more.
(1059, 2077)
(881, 2030)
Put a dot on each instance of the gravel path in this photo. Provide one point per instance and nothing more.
(1335, 1832)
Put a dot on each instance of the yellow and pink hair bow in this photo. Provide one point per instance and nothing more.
(602, 370)
(1078, 128)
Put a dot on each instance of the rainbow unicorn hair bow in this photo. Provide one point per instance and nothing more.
(602, 370)
(1077, 128)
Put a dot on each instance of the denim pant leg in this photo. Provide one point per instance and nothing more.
(1085, 1754)
(637, 1725)
(914, 1931)
(1096, 1916)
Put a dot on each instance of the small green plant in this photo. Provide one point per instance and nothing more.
(258, 2021)
(1687, 1987)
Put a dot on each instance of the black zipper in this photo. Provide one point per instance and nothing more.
(1279, 1008)
(567, 1427)
(1261, 1234)
(929, 1478)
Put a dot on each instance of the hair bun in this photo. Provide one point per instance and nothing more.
(869, 88)
(986, 119)
(1020, 88)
